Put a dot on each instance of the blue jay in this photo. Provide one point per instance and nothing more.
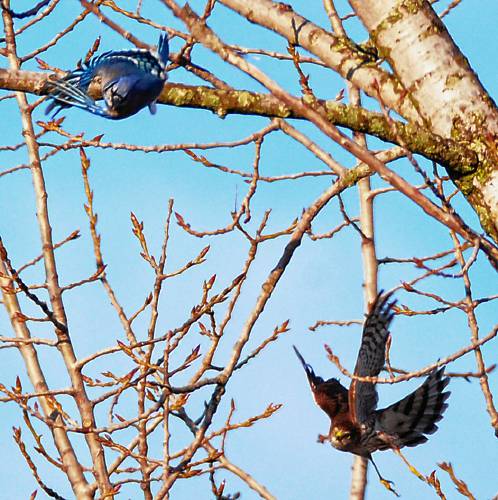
(129, 79)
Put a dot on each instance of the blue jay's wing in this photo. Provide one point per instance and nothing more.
(363, 396)
(67, 94)
(149, 62)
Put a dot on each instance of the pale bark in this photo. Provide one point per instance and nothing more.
(443, 87)
(370, 289)
(338, 53)
(28, 352)
(65, 346)
(433, 84)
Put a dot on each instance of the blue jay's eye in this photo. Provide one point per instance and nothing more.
(130, 80)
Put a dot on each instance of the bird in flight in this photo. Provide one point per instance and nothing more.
(356, 424)
(130, 80)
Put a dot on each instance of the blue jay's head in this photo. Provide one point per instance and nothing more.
(129, 79)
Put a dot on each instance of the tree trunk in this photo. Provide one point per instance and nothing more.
(440, 83)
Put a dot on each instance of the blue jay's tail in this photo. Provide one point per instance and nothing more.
(67, 94)
(64, 90)
(56, 105)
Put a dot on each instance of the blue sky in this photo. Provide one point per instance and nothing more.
(323, 281)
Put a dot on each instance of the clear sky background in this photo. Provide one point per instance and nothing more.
(323, 281)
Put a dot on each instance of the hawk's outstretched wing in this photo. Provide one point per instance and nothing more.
(371, 358)
(416, 414)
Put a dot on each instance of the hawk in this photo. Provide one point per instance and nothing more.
(356, 425)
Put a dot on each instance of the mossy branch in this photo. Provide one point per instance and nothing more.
(456, 157)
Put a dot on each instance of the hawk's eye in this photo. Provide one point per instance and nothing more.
(343, 435)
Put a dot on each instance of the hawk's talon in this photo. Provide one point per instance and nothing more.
(389, 486)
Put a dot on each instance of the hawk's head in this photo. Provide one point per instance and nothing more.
(344, 436)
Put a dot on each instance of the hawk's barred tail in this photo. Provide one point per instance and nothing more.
(417, 413)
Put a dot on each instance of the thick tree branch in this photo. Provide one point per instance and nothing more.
(451, 154)
(448, 94)
(337, 52)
